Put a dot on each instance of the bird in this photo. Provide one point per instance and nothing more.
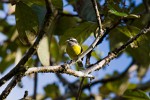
(74, 49)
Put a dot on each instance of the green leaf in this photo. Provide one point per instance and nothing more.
(121, 14)
(116, 39)
(43, 51)
(7, 61)
(63, 24)
(132, 86)
(18, 56)
(115, 12)
(96, 54)
(52, 91)
(117, 86)
(130, 31)
(104, 90)
(37, 2)
(81, 32)
(55, 50)
(58, 4)
(118, 13)
(132, 16)
(140, 54)
(141, 72)
(136, 95)
(26, 22)
(85, 10)
(1, 6)
(40, 12)
(5, 28)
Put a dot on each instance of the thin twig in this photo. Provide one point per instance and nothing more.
(35, 85)
(25, 97)
(25, 94)
(97, 15)
(35, 79)
(80, 89)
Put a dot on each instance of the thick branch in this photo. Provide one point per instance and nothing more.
(57, 69)
(10, 86)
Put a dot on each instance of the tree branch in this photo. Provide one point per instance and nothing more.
(98, 38)
(45, 28)
(10, 86)
(50, 15)
(104, 81)
(114, 53)
(97, 15)
(35, 80)
(57, 69)
(100, 34)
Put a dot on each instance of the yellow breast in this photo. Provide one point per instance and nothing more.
(73, 51)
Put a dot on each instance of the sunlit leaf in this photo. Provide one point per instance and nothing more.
(55, 50)
(132, 86)
(43, 51)
(115, 12)
(37, 2)
(137, 95)
(121, 14)
(96, 54)
(18, 56)
(141, 72)
(130, 31)
(132, 16)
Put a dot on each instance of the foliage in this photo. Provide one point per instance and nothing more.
(129, 19)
